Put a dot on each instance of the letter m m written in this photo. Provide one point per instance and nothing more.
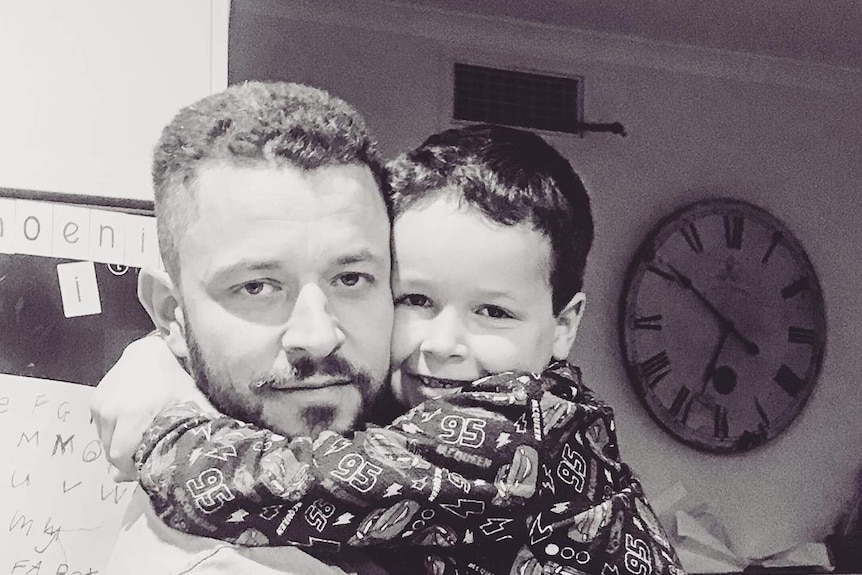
(29, 438)
(61, 444)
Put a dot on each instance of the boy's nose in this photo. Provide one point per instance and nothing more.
(445, 336)
(311, 329)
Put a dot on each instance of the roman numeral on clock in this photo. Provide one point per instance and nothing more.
(681, 403)
(651, 322)
(795, 288)
(733, 231)
(773, 241)
(721, 427)
(788, 381)
(662, 273)
(761, 412)
(692, 238)
(656, 368)
(801, 335)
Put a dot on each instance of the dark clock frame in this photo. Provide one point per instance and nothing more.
(677, 220)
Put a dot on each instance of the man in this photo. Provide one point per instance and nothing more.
(271, 297)
(275, 236)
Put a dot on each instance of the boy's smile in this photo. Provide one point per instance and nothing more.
(472, 298)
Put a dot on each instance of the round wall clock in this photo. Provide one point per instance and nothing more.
(722, 325)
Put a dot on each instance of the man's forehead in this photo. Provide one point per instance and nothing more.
(265, 186)
(272, 213)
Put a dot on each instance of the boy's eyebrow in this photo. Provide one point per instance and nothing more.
(497, 294)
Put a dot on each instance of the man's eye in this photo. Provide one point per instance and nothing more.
(353, 279)
(494, 312)
(256, 288)
(413, 300)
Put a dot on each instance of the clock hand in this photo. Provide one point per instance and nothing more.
(710, 367)
(750, 347)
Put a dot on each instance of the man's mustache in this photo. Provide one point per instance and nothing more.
(304, 368)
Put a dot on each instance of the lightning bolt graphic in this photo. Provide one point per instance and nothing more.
(539, 532)
(392, 490)
(337, 445)
(206, 430)
(237, 516)
(411, 428)
(222, 452)
(270, 511)
(548, 481)
(495, 525)
(559, 508)
(465, 507)
(503, 439)
(344, 519)
(426, 417)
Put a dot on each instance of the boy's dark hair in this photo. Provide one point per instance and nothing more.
(512, 176)
(247, 125)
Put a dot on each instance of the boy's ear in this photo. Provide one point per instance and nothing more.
(568, 321)
(158, 295)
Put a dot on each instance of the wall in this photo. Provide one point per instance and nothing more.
(88, 85)
(779, 133)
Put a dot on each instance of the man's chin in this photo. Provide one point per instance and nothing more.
(308, 412)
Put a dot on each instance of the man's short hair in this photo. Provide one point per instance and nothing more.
(248, 125)
(512, 176)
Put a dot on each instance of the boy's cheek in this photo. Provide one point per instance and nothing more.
(406, 337)
(525, 353)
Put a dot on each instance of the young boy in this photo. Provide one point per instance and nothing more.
(506, 462)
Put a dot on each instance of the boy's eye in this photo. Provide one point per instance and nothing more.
(257, 287)
(494, 312)
(413, 300)
(353, 279)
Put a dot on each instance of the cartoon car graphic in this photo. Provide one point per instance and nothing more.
(517, 479)
(384, 523)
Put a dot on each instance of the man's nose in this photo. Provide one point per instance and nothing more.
(445, 336)
(311, 329)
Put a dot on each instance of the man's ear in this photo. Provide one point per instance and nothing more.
(568, 321)
(158, 295)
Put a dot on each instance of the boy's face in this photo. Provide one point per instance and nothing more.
(472, 298)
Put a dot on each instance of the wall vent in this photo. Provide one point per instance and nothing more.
(514, 98)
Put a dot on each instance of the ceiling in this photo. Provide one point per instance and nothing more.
(821, 31)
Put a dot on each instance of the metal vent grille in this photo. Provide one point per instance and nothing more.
(522, 99)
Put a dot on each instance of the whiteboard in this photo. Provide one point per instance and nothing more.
(60, 511)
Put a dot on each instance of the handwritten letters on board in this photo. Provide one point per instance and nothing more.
(60, 510)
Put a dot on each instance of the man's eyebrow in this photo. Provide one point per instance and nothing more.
(359, 257)
(245, 266)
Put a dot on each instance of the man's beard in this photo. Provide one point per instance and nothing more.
(227, 398)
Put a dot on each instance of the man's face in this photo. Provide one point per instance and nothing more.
(285, 295)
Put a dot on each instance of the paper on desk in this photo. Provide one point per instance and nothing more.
(812, 555)
(698, 537)
(703, 545)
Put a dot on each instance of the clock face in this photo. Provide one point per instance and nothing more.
(722, 325)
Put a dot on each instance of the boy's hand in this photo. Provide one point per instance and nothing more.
(146, 379)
